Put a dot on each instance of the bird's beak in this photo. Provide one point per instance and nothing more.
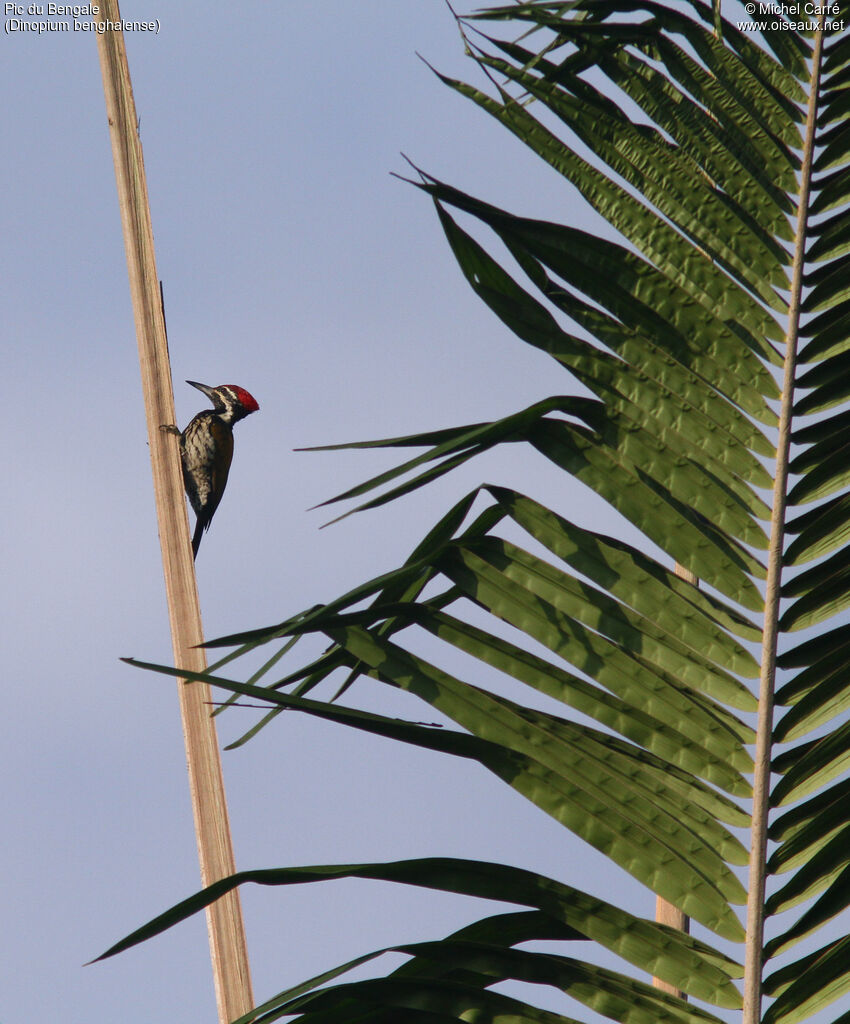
(207, 390)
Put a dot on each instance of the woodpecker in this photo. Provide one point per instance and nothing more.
(206, 449)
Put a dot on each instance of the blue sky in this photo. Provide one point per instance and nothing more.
(295, 265)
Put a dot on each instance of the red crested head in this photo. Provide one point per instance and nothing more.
(231, 402)
(245, 398)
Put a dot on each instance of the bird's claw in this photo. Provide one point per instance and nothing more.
(169, 428)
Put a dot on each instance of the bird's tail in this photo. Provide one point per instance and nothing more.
(196, 539)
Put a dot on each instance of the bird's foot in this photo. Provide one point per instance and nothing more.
(169, 428)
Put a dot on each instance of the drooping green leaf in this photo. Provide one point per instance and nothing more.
(819, 870)
(819, 531)
(810, 765)
(634, 291)
(636, 725)
(676, 606)
(673, 953)
(672, 195)
(688, 537)
(812, 983)
(660, 393)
